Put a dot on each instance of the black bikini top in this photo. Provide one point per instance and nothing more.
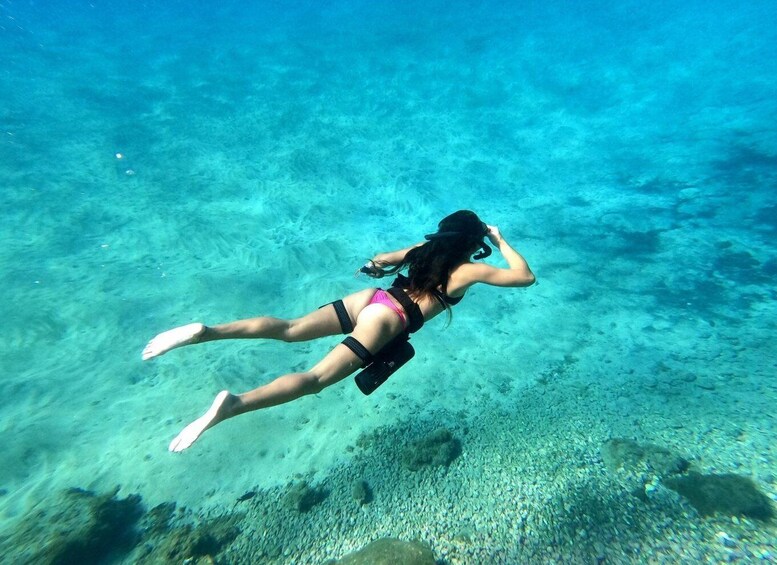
(403, 282)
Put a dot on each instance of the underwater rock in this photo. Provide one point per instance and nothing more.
(302, 497)
(438, 448)
(361, 492)
(192, 543)
(157, 520)
(640, 467)
(390, 551)
(732, 495)
(628, 455)
(78, 526)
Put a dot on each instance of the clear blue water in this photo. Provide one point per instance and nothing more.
(628, 151)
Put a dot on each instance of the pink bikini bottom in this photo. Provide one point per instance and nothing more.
(382, 297)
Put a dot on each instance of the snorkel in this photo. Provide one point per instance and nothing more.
(485, 251)
(464, 224)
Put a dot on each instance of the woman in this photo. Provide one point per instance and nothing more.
(440, 271)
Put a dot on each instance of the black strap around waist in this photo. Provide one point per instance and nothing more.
(414, 315)
(403, 282)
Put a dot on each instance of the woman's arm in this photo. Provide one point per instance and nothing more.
(375, 267)
(393, 258)
(516, 261)
(519, 273)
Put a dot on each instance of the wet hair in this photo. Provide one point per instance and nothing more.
(429, 266)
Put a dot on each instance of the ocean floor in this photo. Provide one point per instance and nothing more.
(164, 166)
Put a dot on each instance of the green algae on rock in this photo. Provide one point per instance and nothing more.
(188, 542)
(390, 551)
(640, 467)
(78, 526)
(628, 455)
(302, 497)
(361, 492)
(437, 448)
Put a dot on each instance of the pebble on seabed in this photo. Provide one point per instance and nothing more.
(724, 538)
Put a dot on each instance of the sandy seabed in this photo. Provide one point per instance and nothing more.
(263, 159)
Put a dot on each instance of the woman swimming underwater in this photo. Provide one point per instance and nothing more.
(439, 272)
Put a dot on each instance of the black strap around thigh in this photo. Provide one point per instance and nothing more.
(342, 316)
(361, 352)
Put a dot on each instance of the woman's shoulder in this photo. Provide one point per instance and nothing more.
(461, 278)
(467, 270)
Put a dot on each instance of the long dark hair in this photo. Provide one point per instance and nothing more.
(429, 266)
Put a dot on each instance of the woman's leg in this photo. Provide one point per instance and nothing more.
(376, 326)
(319, 323)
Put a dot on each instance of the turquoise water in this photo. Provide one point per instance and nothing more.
(629, 152)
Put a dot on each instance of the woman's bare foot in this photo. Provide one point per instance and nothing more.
(217, 412)
(171, 339)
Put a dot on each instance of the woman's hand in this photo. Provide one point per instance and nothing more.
(372, 269)
(493, 235)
